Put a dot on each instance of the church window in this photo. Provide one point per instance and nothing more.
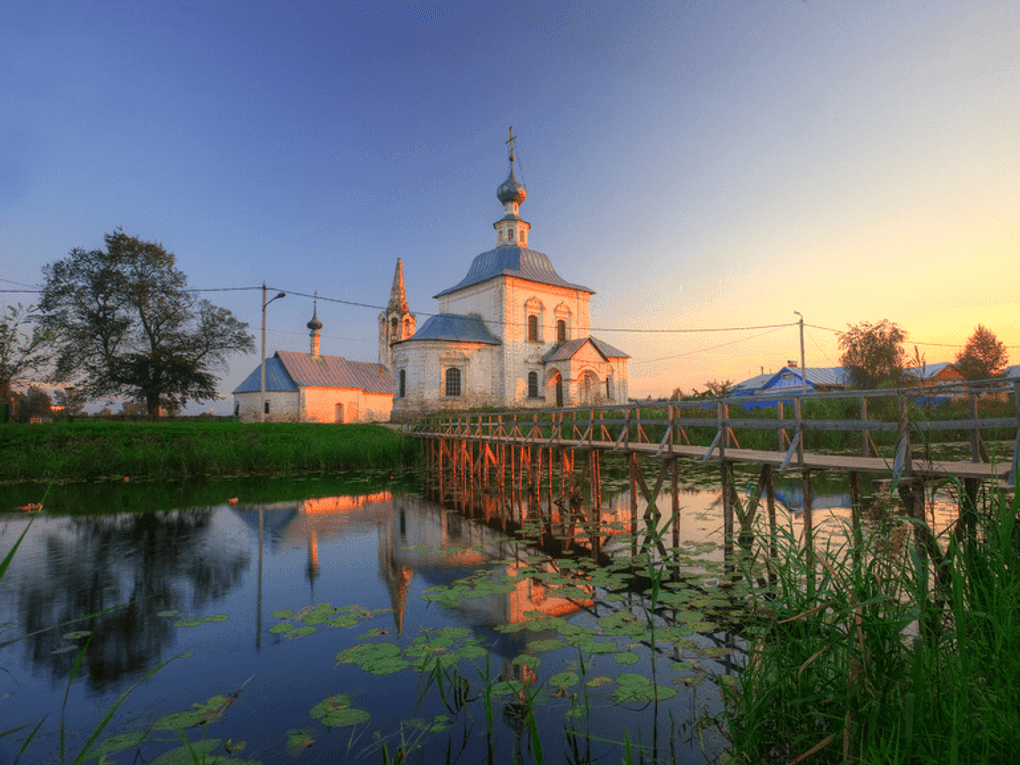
(501, 235)
(237, 408)
(533, 328)
(532, 384)
(561, 331)
(609, 388)
(266, 407)
(402, 390)
(510, 235)
(453, 381)
(393, 328)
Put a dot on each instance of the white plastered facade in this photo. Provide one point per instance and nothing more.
(526, 321)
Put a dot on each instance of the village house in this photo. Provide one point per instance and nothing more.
(511, 333)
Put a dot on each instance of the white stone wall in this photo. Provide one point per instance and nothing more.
(320, 405)
(284, 406)
(424, 364)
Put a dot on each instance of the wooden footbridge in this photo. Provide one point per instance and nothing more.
(553, 457)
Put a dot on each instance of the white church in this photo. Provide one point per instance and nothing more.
(512, 333)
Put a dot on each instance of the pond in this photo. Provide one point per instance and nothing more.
(353, 625)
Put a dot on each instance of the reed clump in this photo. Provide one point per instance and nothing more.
(872, 652)
(91, 451)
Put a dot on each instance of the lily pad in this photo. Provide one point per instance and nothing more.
(276, 629)
(337, 712)
(202, 714)
(198, 621)
(172, 612)
(300, 632)
(564, 679)
(116, 744)
(283, 613)
(637, 688)
(627, 657)
(298, 740)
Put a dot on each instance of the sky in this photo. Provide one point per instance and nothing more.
(708, 168)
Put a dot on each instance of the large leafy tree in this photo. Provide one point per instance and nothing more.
(129, 326)
(873, 353)
(25, 349)
(983, 357)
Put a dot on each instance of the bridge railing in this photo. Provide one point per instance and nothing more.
(881, 423)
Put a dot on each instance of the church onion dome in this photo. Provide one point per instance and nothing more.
(314, 325)
(511, 190)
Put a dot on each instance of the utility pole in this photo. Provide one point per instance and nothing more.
(803, 369)
(262, 403)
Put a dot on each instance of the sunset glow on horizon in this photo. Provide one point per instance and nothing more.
(701, 166)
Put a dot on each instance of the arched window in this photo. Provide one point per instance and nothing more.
(559, 391)
(453, 381)
(402, 388)
(394, 324)
(532, 384)
(339, 412)
(533, 328)
(561, 331)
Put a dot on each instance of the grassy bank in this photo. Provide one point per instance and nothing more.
(894, 655)
(102, 451)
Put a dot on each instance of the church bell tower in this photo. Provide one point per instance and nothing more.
(397, 322)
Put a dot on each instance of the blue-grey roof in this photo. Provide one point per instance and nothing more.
(513, 261)
(452, 327)
(567, 349)
(287, 370)
(277, 378)
(818, 376)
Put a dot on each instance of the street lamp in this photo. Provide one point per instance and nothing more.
(262, 406)
(803, 369)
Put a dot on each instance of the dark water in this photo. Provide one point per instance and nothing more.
(239, 563)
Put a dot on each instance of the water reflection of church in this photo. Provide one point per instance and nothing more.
(416, 537)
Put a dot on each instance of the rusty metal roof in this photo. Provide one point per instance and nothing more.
(289, 370)
(513, 261)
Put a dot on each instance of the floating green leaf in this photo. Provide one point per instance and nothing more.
(298, 740)
(527, 660)
(281, 627)
(116, 744)
(637, 688)
(283, 613)
(300, 632)
(198, 621)
(627, 657)
(172, 612)
(564, 679)
(545, 645)
(202, 714)
(336, 712)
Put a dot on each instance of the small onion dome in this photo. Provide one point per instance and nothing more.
(511, 190)
(315, 325)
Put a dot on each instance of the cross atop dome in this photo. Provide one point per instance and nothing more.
(510, 229)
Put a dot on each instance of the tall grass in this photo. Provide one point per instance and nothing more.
(87, 451)
(888, 659)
